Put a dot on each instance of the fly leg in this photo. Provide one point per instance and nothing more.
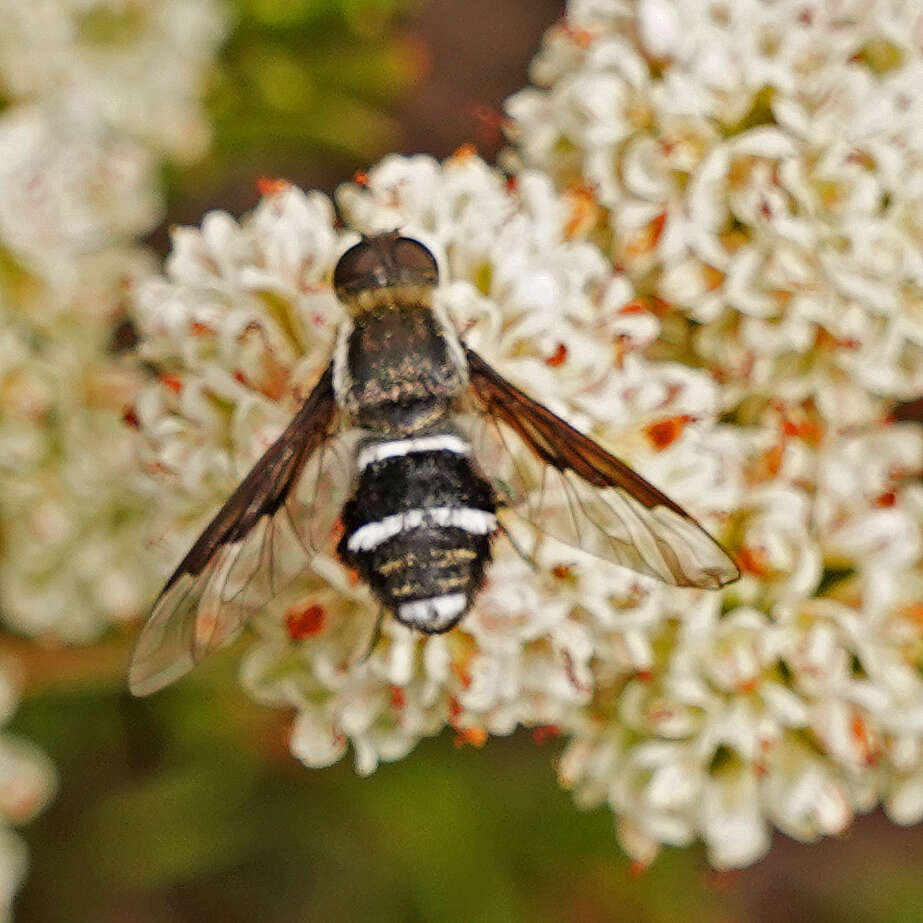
(517, 548)
(374, 639)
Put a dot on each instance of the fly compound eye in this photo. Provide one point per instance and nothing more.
(384, 260)
(359, 267)
(412, 258)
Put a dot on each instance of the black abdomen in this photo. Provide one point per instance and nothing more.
(418, 528)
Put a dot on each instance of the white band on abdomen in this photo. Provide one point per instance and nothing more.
(444, 442)
(373, 534)
(433, 614)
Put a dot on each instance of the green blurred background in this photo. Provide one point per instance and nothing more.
(188, 806)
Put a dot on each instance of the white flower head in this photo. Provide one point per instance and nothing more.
(754, 171)
(72, 506)
(758, 164)
(70, 188)
(244, 321)
(137, 65)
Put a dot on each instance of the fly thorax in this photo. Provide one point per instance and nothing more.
(398, 368)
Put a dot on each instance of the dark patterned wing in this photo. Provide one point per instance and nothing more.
(267, 532)
(571, 488)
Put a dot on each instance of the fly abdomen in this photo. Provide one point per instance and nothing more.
(418, 527)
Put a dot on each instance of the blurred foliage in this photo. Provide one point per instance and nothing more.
(187, 806)
(305, 80)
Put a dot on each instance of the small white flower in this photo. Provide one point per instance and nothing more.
(70, 188)
(732, 819)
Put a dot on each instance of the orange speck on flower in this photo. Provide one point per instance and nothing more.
(620, 347)
(562, 571)
(476, 736)
(823, 339)
(766, 466)
(656, 227)
(361, 178)
(635, 306)
(752, 561)
(397, 697)
(664, 433)
(645, 239)
(859, 729)
(267, 185)
(712, 277)
(305, 621)
(157, 468)
(580, 37)
(782, 296)
(812, 432)
(239, 376)
(789, 428)
(861, 158)
(584, 210)
(801, 422)
(637, 868)
(171, 382)
(199, 329)
(773, 459)
(545, 732)
(645, 676)
(559, 356)
(465, 152)
(660, 306)
(888, 498)
(455, 710)
(463, 676)
(660, 713)
(274, 377)
(131, 417)
(914, 613)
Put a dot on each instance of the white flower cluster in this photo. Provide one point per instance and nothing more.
(759, 164)
(72, 508)
(754, 168)
(93, 93)
(97, 93)
(136, 67)
(245, 320)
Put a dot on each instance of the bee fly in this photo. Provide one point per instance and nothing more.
(405, 425)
